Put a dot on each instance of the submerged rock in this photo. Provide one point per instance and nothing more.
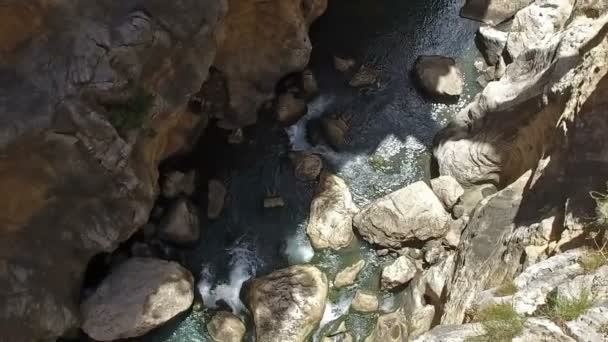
(439, 76)
(289, 109)
(411, 214)
(274, 202)
(347, 276)
(310, 87)
(492, 12)
(307, 166)
(181, 224)
(287, 304)
(366, 76)
(216, 196)
(226, 327)
(398, 273)
(344, 64)
(365, 301)
(178, 183)
(137, 296)
(334, 132)
(448, 190)
(331, 212)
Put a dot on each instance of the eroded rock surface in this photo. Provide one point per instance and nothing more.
(288, 304)
(137, 296)
(331, 212)
(413, 213)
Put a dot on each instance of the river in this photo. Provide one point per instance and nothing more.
(388, 147)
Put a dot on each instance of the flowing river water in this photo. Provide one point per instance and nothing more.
(388, 147)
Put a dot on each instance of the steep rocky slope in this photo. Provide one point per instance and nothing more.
(94, 95)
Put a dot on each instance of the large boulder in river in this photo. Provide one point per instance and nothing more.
(216, 198)
(226, 327)
(331, 213)
(411, 214)
(307, 166)
(137, 296)
(181, 224)
(288, 304)
(492, 12)
(439, 76)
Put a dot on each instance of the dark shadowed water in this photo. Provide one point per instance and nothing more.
(392, 127)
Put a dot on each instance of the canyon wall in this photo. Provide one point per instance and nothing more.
(95, 94)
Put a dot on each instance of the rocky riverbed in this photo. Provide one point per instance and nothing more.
(203, 171)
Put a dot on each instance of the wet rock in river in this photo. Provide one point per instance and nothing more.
(288, 304)
(365, 77)
(181, 224)
(344, 64)
(273, 202)
(439, 76)
(137, 296)
(289, 109)
(216, 196)
(334, 132)
(331, 213)
(178, 183)
(307, 166)
(310, 87)
(226, 327)
(447, 190)
(365, 301)
(411, 214)
(398, 273)
(347, 276)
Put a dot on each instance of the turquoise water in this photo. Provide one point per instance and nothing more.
(392, 128)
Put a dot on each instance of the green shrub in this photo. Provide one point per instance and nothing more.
(592, 261)
(500, 322)
(131, 114)
(507, 288)
(561, 309)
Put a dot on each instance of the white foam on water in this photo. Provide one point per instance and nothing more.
(297, 132)
(298, 249)
(244, 263)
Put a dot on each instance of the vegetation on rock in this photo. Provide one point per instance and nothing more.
(131, 114)
(593, 260)
(500, 322)
(561, 309)
(507, 288)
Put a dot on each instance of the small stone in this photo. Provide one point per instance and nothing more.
(366, 76)
(290, 109)
(365, 301)
(452, 237)
(236, 137)
(348, 276)
(307, 166)
(398, 273)
(226, 327)
(216, 196)
(273, 202)
(413, 253)
(382, 252)
(434, 252)
(344, 64)
(439, 75)
(181, 224)
(310, 88)
(178, 183)
(334, 132)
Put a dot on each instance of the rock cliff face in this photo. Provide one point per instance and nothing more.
(539, 134)
(94, 95)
